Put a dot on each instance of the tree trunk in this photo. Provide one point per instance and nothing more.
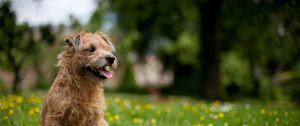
(254, 76)
(210, 49)
(17, 80)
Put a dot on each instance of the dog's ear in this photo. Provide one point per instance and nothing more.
(73, 41)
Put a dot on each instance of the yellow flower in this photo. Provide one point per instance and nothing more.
(210, 124)
(286, 114)
(3, 106)
(35, 99)
(262, 111)
(148, 106)
(37, 109)
(221, 115)
(11, 104)
(10, 112)
(198, 125)
(153, 121)
(110, 119)
(135, 120)
(117, 117)
(217, 103)
(31, 112)
(19, 99)
(277, 119)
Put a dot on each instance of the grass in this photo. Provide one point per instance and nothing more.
(139, 110)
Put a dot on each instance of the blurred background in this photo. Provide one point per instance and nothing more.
(207, 49)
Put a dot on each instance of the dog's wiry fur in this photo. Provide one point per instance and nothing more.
(76, 95)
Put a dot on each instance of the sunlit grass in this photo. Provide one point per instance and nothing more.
(137, 110)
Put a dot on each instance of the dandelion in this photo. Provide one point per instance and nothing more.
(110, 119)
(11, 104)
(10, 112)
(148, 106)
(221, 115)
(19, 99)
(217, 103)
(3, 106)
(286, 114)
(207, 110)
(153, 121)
(210, 124)
(117, 117)
(37, 110)
(34, 99)
(262, 111)
(135, 120)
(31, 112)
(277, 119)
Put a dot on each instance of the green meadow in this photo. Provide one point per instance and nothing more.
(140, 110)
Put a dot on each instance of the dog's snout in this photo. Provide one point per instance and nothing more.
(110, 59)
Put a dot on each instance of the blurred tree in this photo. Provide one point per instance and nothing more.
(47, 34)
(17, 43)
(150, 21)
(96, 20)
(261, 36)
(260, 31)
(210, 50)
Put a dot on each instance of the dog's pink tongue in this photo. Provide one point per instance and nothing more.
(106, 73)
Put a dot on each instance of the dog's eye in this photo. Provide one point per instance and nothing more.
(92, 49)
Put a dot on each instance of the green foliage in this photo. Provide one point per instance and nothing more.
(152, 20)
(184, 49)
(47, 34)
(235, 69)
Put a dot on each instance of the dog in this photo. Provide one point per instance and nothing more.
(76, 96)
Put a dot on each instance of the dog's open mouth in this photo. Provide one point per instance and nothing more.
(103, 72)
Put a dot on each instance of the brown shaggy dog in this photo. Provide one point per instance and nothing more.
(76, 95)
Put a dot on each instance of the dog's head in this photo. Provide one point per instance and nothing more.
(93, 55)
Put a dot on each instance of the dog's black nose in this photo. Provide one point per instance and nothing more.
(110, 59)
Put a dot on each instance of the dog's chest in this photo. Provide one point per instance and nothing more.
(83, 112)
